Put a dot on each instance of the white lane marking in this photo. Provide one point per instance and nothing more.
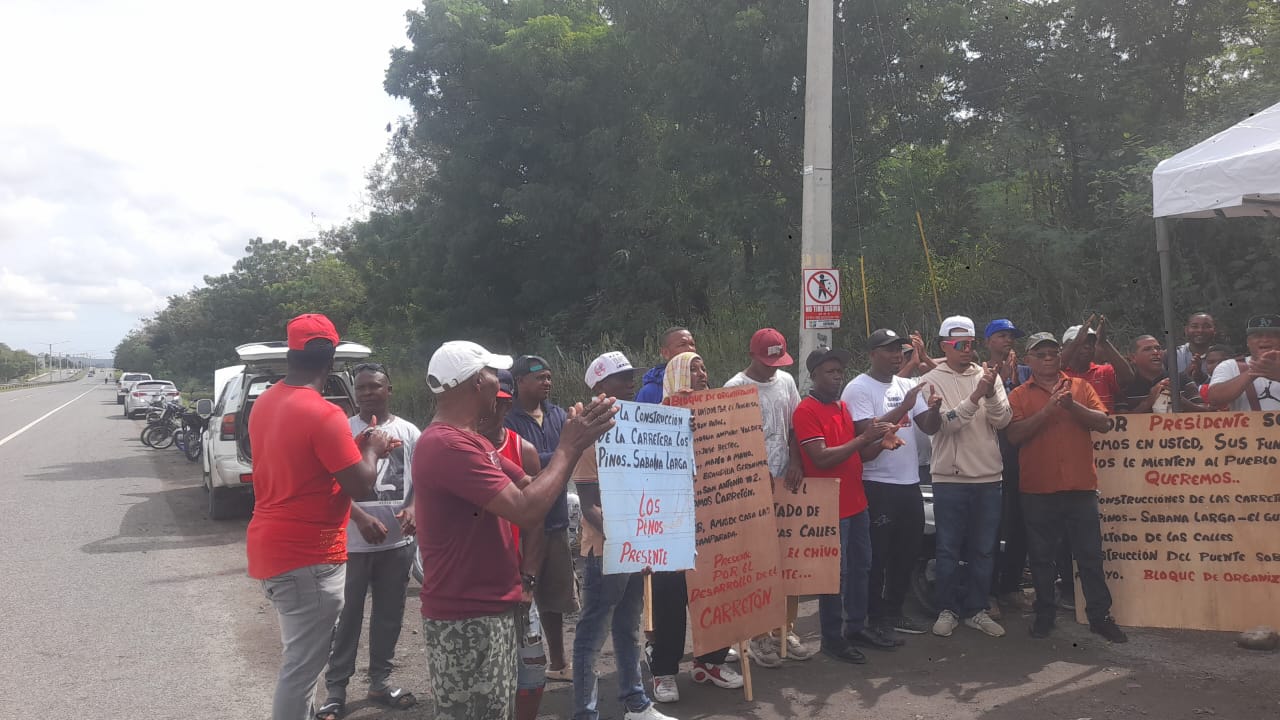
(33, 423)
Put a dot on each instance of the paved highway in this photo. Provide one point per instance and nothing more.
(122, 600)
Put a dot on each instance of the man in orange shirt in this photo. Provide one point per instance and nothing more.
(306, 469)
(1053, 415)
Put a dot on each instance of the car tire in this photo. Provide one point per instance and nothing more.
(222, 503)
(119, 400)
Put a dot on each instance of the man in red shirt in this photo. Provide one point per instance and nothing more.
(830, 448)
(467, 496)
(1053, 416)
(1081, 345)
(306, 469)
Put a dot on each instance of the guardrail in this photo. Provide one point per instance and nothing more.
(15, 385)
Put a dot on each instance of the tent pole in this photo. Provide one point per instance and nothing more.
(1164, 231)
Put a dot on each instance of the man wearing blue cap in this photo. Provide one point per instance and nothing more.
(1006, 583)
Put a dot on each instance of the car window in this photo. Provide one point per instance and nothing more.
(227, 391)
(135, 376)
(259, 386)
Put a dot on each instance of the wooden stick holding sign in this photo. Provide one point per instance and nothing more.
(648, 602)
(746, 670)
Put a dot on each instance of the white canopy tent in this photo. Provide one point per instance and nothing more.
(1235, 173)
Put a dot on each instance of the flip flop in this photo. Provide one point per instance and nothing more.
(564, 674)
(331, 710)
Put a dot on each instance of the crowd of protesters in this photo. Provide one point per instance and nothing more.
(1002, 436)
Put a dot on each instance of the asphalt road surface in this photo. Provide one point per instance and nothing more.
(123, 600)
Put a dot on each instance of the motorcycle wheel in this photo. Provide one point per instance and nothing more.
(160, 436)
(193, 449)
(143, 435)
(923, 586)
(180, 439)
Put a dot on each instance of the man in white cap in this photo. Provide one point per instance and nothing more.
(466, 498)
(966, 478)
(1081, 345)
(616, 601)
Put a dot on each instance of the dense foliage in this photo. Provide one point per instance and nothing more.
(579, 169)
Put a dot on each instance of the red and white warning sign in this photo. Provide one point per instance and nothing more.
(821, 298)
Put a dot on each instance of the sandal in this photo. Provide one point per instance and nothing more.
(331, 710)
(394, 698)
(564, 674)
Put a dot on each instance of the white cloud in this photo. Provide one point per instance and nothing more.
(144, 142)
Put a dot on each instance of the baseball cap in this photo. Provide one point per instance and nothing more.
(458, 360)
(823, 354)
(1073, 331)
(307, 327)
(610, 363)
(527, 365)
(1000, 325)
(506, 385)
(1260, 323)
(883, 337)
(1041, 338)
(770, 347)
(956, 322)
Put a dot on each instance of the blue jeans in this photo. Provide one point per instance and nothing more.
(606, 597)
(967, 517)
(846, 613)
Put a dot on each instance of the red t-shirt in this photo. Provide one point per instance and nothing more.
(831, 422)
(468, 557)
(1103, 380)
(300, 513)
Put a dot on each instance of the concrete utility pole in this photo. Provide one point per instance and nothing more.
(815, 221)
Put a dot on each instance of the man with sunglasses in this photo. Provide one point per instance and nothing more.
(379, 554)
(1253, 383)
(1053, 418)
(966, 478)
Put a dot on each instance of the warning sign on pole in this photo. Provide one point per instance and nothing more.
(821, 298)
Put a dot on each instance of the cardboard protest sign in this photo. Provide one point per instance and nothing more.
(809, 536)
(735, 589)
(1190, 508)
(645, 465)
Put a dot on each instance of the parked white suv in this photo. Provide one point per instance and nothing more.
(227, 457)
(125, 384)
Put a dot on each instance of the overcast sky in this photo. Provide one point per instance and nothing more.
(142, 143)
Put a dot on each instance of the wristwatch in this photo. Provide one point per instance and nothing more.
(529, 581)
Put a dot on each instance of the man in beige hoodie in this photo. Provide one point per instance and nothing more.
(966, 478)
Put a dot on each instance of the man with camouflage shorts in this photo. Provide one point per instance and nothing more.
(467, 496)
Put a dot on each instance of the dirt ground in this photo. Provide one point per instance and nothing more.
(1074, 675)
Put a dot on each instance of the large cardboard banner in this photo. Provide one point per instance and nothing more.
(1190, 507)
(809, 535)
(645, 464)
(735, 589)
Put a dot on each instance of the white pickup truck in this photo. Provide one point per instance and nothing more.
(125, 384)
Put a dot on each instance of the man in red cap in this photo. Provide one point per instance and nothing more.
(778, 400)
(306, 469)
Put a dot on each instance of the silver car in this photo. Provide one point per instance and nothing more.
(144, 392)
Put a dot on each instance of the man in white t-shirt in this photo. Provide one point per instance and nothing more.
(890, 476)
(779, 397)
(379, 554)
(1254, 383)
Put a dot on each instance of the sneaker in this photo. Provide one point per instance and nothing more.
(947, 622)
(762, 651)
(993, 608)
(846, 653)
(1065, 601)
(732, 656)
(982, 621)
(719, 675)
(872, 637)
(1107, 628)
(665, 689)
(904, 624)
(797, 650)
(649, 713)
(1042, 627)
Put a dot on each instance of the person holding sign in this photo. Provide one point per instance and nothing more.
(831, 447)
(685, 373)
(891, 476)
(467, 498)
(1053, 416)
(778, 400)
(1254, 383)
(966, 479)
(674, 341)
(608, 601)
